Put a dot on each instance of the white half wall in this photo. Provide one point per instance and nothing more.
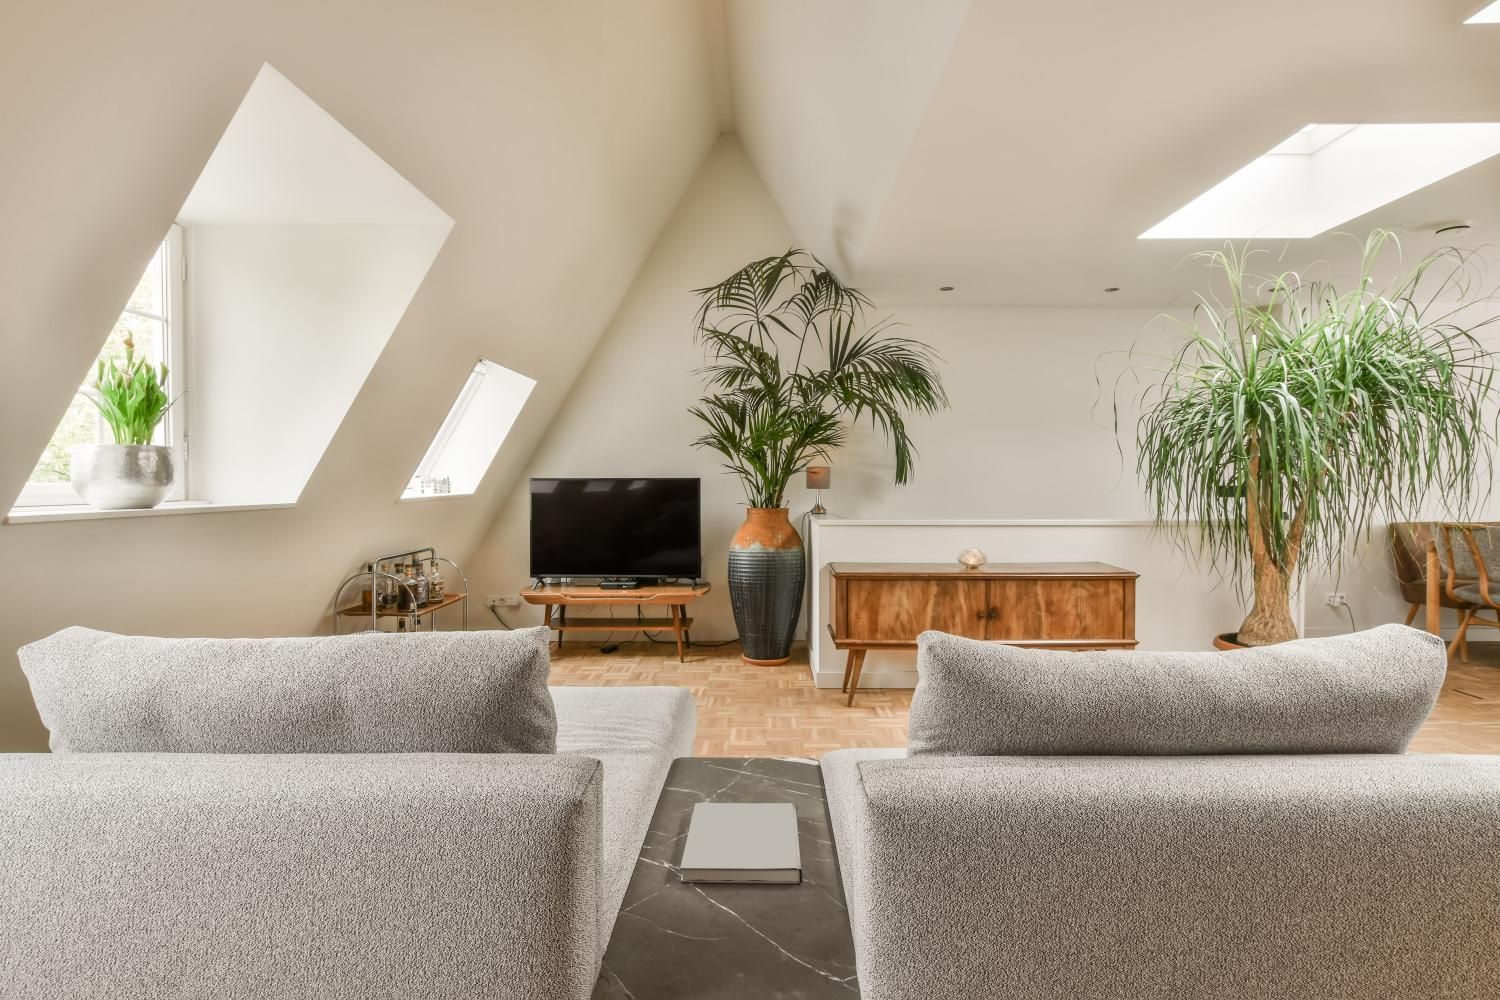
(1179, 604)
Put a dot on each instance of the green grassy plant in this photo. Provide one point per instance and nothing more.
(1294, 416)
(131, 397)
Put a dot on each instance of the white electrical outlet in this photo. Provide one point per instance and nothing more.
(1337, 599)
(503, 601)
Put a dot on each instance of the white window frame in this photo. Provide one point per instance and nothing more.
(174, 427)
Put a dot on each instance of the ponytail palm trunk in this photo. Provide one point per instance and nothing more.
(1282, 429)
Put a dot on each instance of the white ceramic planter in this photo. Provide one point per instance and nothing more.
(122, 476)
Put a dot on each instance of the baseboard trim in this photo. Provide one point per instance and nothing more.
(868, 679)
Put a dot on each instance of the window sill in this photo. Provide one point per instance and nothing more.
(78, 512)
(424, 497)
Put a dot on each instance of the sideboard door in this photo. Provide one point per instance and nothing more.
(897, 610)
(1061, 609)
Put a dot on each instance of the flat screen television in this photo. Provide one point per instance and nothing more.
(627, 528)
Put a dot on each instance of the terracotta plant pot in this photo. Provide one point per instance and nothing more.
(1228, 641)
(767, 572)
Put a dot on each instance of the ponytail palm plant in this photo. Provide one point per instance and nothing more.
(1294, 416)
(792, 366)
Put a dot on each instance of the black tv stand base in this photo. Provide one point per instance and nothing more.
(621, 583)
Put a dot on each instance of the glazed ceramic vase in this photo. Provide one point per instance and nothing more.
(767, 572)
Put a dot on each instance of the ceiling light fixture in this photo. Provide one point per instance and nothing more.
(1112, 288)
(1323, 175)
(945, 288)
(1489, 15)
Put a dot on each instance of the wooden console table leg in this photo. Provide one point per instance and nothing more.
(677, 630)
(562, 622)
(687, 633)
(851, 672)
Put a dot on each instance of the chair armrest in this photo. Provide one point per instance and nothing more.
(1357, 877)
(271, 876)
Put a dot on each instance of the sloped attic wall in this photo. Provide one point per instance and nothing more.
(558, 136)
(627, 413)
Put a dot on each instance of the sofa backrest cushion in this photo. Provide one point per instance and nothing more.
(439, 692)
(1362, 693)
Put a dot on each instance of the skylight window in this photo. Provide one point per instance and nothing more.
(471, 434)
(1490, 15)
(1326, 174)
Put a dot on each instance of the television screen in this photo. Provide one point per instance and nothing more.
(615, 527)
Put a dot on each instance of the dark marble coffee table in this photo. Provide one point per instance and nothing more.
(769, 942)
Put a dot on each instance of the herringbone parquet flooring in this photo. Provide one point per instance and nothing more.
(746, 711)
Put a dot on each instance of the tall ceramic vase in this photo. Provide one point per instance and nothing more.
(766, 576)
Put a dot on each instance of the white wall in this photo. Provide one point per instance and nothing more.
(627, 416)
(1029, 435)
(559, 137)
(286, 322)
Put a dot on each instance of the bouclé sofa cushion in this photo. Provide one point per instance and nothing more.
(427, 692)
(1362, 693)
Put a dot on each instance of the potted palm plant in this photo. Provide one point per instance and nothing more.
(1293, 415)
(132, 473)
(792, 365)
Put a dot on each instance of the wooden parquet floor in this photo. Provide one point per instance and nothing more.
(746, 711)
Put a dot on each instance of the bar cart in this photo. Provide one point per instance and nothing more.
(408, 618)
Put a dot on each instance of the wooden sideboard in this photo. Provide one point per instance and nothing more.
(1084, 605)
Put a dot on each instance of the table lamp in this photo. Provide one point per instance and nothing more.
(819, 478)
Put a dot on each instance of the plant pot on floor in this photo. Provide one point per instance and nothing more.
(1228, 640)
(122, 476)
(767, 572)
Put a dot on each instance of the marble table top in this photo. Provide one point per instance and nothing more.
(707, 941)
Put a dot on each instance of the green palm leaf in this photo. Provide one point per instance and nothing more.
(790, 369)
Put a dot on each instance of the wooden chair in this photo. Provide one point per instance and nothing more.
(1465, 552)
(1409, 544)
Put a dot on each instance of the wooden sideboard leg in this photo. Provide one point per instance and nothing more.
(856, 664)
(687, 633)
(677, 630)
(562, 622)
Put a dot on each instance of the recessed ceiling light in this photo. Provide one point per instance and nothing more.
(1490, 15)
(1113, 288)
(1327, 174)
(945, 288)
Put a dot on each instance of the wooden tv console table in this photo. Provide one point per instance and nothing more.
(675, 597)
(1085, 605)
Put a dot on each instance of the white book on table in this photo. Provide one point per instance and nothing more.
(742, 842)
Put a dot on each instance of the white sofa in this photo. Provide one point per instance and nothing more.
(149, 874)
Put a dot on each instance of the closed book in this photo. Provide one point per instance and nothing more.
(742, 842)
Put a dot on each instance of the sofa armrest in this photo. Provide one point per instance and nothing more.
(1356, 877)
(270, 876)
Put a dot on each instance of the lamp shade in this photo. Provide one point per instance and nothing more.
(819, 477)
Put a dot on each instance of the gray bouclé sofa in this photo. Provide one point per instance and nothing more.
(367, 816)
(1214, 826)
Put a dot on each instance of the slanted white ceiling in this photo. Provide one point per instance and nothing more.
(827, 98)
(1048, 136)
